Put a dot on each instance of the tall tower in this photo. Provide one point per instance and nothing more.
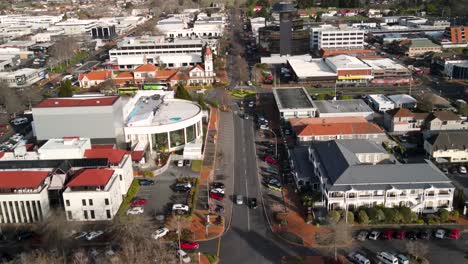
(208, 62)
(286, 12)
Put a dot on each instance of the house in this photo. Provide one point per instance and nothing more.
(444, 120)
(92, 195)
(145, 72)
(93, 78)
(359, 172)
(402, 120)
(448, 147)
(328, 128)
(124, 78)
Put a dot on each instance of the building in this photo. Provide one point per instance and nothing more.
(457, 35)
(156, 121)
(380, 102)
(387, 71)
(203, 74)
(103, 31)
(328, 128)
(343, 108)
(93, 78)
(403, 101)
(36, 22)
(75, 26)
(349, 69)
(99, 118)
(456, 69)
(23, 77)
(24, 196)
(448, 147)
(92, 195)
(444, 120)
(402, 120)
(337, 38)
(355, 173)
(311, 70)
(183, 27)
(421, 46)
(294, 103)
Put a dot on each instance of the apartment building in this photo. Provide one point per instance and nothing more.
(335, 38)
(457, 34)
(402, 120)
(444, 120)
(354, 173)
(448, 147)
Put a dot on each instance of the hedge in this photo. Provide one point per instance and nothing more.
(132, 192)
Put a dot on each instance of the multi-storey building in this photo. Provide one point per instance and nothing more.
(354, 173)
(35, 21)
(387, 71)
(349, 69)
(444, 120)
(326, 38)
(448, 147)
(402, 120)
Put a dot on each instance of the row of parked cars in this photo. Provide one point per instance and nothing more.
(383, 257)
(424, 234)
(14, 141)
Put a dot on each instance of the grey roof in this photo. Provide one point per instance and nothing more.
(284, 7)
(402, 99)
(343, 168)
(342, 106)
(290, 98)
(449, 140)
(302, 166)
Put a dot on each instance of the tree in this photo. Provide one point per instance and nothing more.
(181, 92)
(379, 216)
(65, 89)
(444, 215)
(10, 99)
(334, 217)
(363, 217)
(64, 49)
(321, 97)
(201, 102)
(38, 257)
(417, 249)
(407, 215)
(350, 217)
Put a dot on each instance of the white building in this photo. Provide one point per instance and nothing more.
(380, 102)
(23, 78)
(24, 197)
(448, 147)
(75, 26)
(176, 27)
(294, 103)
(93, 195)
(343, 108)
(334, 38)
(36, 22)
(403, 101)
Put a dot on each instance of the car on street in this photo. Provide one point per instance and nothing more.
(439, 233)
(188, 245)
(251, 104)
(183, 256)
(160, 233)
(180, 207)
(362, 235)
(145, 182)
(358, 258)
(135, 210)
(462, 170)
(374, 235)
(253, 203)
(180, 163)
(138, 202)
(19, 121)
(239, 199)
(454, 234)
(387, 235)
(94, 234)
(216, 196)
(217, 185)
(424, 234)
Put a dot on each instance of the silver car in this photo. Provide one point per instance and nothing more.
(239, 199)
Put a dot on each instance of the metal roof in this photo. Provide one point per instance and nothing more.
(292, 98)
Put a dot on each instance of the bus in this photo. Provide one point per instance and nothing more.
(155, 86)
(127, 90)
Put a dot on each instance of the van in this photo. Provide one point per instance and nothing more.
(387, 258)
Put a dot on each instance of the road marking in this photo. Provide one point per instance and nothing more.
(248, 211)
(219, 246)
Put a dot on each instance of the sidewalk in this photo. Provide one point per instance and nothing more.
(199, 229)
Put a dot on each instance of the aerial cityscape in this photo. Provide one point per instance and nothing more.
(233, 131)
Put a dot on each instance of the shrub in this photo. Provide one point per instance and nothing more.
(433, 221)
(212, 258)
(148, 174)
(419, 221)
(389, 214)
(363, 217)
(455, 214)
(407, 215)
(334, 217)
(186, 235)
(379, 216)
(443, 215)
(350, 217)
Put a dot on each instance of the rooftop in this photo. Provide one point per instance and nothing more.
(91, 178)
(402, 99)
(292, 98)
(22, 179)
(346, 62)
(96, 75)
(66, 143)
(400, 112)
(342, 106)
(384, 64)
(146, 68)
(422, 43)
(114, 156)
(77, 102)
(444, 116)
(449, 140)
(380, 98)
(335, 128)
(305, 68)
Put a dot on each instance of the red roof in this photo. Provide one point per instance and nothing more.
(201, 67)
(146, 68)
(137, 155)
(77, 102)
(2, 154)
(124, 75)
(96, 75)
(165, 74)
(114, 156)
(208, 51)
(91, 178)
(103, 146)
(22, 179)
(338, 129)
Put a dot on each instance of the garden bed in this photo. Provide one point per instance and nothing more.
(241, 93)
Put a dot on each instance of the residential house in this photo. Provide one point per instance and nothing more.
(448, 147)
(145, 72)
(402, 120)
(93, 78)
(444, 120)
(359, 172)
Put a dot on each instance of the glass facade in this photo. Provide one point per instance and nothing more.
(177, 138)
(191, 134)
(160, 141)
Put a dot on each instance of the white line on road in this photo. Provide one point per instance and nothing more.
(248, 211)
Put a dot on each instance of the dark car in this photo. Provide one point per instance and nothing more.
(24, 235)
(181, 188)
(411, 235)
(424, 234)
(253, 203)
(216, 185)
(145, 182)
(219, 209)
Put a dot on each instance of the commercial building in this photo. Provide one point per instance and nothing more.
(23, 77)
(335, 39)
(294, 103)
(36, 22)
(456, 36)
(402, 120)
(355, 173)
(103, 31)
(184, 27)
(75, 26)
(343, 108)
(311, 70)
(403, 101)
(387, 71)
(456, 69)
(380, 102)
(448, 147)
(349, 69)
(421, 46)
(328, 128)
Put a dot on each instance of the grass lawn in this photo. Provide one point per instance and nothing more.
(132, 192)
(242, 93)
(196, 165)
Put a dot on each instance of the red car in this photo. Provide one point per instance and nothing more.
(216, 196)
(400, 234)
(454, 234)
(188, 245)
(138, 202)
(270, 160)
(387, 234)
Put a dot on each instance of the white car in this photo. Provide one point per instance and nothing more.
(374, 235)
(251, 104)
(462, 170)
(184, 256)
(160, 233)
(19, 121)
(81, 235)
(180, 207)
(135, 210)
(265, 127)
(217, 190)
(440, 233)
(92, 235)
(180, 163)
(239, 199)
(249, 83)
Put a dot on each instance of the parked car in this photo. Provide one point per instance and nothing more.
(251, 104)
(402, 259)
(217, 190)
(454, 234)
(180, 163)
(160, 233)
(189, 245)
(270, 160)
(411, 235)
(24, 235)
(387, 234)
(80, 235)
(219, 209)
(138, 202)
(217, 185)
(183, 256)
(439, 233)
(216, 196)
(145, 182)
(374, 235)
(253, 203)
(135, 210)
(358, 258)
(445, 171)
(387, 258)
(239, 199)
(19, 121)
(462, 170)
(400, 234)
(179, 188)
(362, 235)
(180, 207)
(94, 234)
(424, 234)
(264, 126)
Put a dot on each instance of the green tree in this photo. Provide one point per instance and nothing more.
(201, 102)
(350, 217)
(444, 215)
(334, 217)
(321, 97)
(431, 8)
(181, 93)
(65, 89)
(379, 216)
(363, 217)
(407, 215)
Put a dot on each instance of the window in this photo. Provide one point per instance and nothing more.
(83, 202)
(90, 201)
(92, 214)
(120, 177)
(106, 201)
(67, 202)
(85, 214)
(69, 215)
(108, 214)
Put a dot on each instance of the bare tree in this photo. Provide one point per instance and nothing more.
(80, 256)
(37, 257)
(174, 222)
(63, 50)
(12, 101)
(417, 249)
